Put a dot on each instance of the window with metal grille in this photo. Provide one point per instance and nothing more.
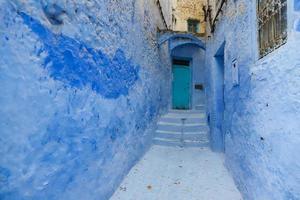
(193, 26)
(272, 25)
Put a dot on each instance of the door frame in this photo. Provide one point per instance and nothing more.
(191, 78)
(220, 69)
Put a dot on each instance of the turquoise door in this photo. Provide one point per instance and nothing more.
(181, 87)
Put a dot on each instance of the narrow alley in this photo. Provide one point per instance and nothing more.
(149, 100)
(180, 164)
(178, 173)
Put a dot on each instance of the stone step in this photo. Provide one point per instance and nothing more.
(188, 127)
(179, 132)
(184, 139)
(185, 115)
(188, 119)
(187, 111)
(195, 136)
(191, 122)
(200, 107)
(178, 143)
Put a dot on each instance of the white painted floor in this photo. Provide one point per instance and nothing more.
(180, 165)
(174, 173)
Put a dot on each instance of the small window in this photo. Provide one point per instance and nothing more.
(272, 25)
(193, 26)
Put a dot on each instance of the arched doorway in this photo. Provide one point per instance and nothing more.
(188, 86)
(188, 67)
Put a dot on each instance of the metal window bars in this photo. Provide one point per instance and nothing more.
(272, 25)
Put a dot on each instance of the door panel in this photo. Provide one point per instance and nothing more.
(181, 86)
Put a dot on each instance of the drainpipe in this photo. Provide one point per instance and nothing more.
(208, 14)
(162, 14)
(217, 15)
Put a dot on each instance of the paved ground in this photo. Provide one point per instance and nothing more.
(174, 173)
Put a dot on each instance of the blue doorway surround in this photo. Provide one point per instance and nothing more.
(187, 46)
(217, 118)
(178, 39)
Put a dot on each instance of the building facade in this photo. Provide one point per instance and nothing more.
(188, 16)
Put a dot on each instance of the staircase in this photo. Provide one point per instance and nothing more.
(183, 128)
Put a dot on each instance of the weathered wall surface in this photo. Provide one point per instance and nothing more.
(261, 114)
(82, 83)
(188, 9)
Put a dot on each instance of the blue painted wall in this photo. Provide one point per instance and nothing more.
(81, 86)
(262, 113)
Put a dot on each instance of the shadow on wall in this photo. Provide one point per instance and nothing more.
(217, 132)
(54, 13)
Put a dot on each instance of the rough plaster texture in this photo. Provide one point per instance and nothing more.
(261, 113)
(188, 9)
(81, 85)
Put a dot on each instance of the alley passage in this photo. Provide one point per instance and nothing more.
(180, 165)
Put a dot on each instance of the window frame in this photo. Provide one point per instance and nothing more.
(272, 45)
(198, 26)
